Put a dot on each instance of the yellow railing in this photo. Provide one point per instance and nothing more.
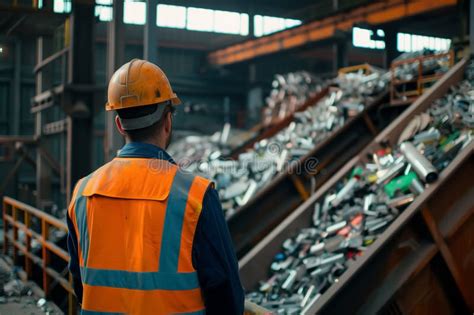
(420, 81)
(365, 68)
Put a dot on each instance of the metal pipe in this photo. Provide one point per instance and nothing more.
(419, 162)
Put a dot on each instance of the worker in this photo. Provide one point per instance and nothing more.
(145, 236)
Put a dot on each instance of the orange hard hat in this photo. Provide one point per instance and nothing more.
(139, 83)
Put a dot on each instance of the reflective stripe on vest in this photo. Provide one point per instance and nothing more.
(167, 277)
(174, 218)
(81, 220)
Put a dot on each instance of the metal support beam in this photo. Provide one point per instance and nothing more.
(464, 17)
(115, 58)
(341, 59)
(251, 26)
(16, 89)
(375, 13)
(43, 81)
(150, 46)
(81, 65)
(391, 51)
(48, 4)
(251, 13)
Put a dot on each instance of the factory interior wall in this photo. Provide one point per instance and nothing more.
(223, 99)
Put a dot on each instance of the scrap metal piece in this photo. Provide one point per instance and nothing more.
(235, 189)
(420, 164)
(248, 194)
(401, 201)
(335, 227)
(350, 185)
(416, 187)
(388, 174)
(307, 295)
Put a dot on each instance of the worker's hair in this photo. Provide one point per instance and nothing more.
(147, 133)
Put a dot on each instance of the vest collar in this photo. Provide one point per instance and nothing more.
(144, 150)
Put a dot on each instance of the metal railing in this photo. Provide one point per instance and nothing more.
(19, 216)
(420, 81)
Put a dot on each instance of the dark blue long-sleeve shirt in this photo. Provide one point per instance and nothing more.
(213, 254)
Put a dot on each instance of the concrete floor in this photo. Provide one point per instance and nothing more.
(25, 305)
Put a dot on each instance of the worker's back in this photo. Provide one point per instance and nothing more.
(135, 219)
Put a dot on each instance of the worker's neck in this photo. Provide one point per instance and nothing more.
(158, 143)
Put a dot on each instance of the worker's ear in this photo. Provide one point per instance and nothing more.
(118, 123)
(168, 122)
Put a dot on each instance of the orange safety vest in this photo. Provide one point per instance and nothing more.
(135, 220)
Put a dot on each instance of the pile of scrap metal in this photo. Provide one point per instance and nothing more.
(191, 150)
(356, 211)
(289, 92)
(239, 180)
(13, 290)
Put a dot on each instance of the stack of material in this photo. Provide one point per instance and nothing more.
(189, 151)
(239, 180)
(289, 93)
(354, 213)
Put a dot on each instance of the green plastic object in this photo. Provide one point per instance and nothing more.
(358, 171)
(450, 138)
(401, 183)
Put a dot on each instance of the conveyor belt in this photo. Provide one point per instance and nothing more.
(267, 132)
(429, 245)
(289, 189)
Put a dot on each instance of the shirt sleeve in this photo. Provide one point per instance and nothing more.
(215, 260)
(74, 259)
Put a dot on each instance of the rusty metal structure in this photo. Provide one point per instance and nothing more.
(376, 13)
(401, 93)
(60, 150)
(63, 106)
(427, 245)
(20, 217)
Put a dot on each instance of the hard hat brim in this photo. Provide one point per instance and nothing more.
(174, 101)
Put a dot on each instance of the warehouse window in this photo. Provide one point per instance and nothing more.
(244, 24)
(412, 42)
(231, 22)
(103, 10)
(362, 37)
(200, 19)
(171, 16)
(196, 19)
(61, 6)
(264, 25)
(134, 12)
(217, 21)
